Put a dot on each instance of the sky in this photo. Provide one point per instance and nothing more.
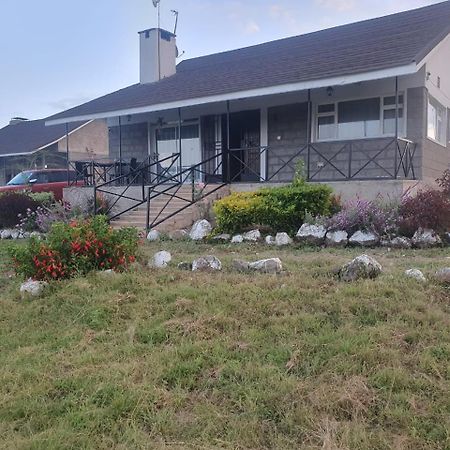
(58, 54)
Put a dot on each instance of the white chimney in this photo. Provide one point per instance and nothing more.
(158, 54)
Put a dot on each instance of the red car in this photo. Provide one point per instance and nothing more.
(44, 180)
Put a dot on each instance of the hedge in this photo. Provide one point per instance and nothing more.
(281, 208)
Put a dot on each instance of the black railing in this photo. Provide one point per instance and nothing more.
(145, 174)
(362, 160)
(208, 169)
(352, 160)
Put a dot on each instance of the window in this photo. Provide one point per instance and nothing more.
(357, 119)
(437, 121)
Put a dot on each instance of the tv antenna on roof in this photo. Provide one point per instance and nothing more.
(156, 4)
(175, 13)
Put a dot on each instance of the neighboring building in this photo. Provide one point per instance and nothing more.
(366, 102)
(29, 144)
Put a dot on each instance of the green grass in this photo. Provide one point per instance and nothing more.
(177, 360)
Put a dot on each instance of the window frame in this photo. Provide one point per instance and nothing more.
(444, 120)
(383, 108)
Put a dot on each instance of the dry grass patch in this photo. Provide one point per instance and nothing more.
(172, 359)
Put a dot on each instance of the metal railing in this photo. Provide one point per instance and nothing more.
(143, 175)
(164, 179)
(192, 176)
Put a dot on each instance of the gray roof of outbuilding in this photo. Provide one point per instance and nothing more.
(29, 136)
(383, 43)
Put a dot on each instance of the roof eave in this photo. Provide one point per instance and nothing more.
(406, 69)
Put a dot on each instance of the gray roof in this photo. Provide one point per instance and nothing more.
(29, 136)
(383, 43)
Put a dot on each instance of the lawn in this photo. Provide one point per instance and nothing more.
(171, 359)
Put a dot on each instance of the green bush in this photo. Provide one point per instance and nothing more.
(76, 248)
(43, 198)
(281, 208)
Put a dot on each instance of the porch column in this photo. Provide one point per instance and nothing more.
(228, 159)
(264, 143)
(67, 155)
(179, 144)
(308, 134)
(396, 130)
(120, 147)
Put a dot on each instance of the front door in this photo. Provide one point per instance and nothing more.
(168, 144)
(244, 147)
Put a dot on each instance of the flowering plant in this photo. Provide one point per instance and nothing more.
(376, 216)
(76, 248)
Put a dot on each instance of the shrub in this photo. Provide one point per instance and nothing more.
(45, 216)
(444, 182)
(105, 205)
(281, 208)
(13, 204)
(428, 209)
(76, 249)
(366, 215)
(43, 198)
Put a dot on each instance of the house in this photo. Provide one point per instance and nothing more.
(365, 106)
(26, 144)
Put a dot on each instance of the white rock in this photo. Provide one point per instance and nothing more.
(270, 240)
(178, 235)
(26, 235)
(153, 235)
(426, 239)
(200, 230)
(336, 238)
(443, 275)
(282, 239)
(15, 234)
(416, 274)
(252, 236)
(399, 242)
(271, 265)
(161, 259)
(363, 266)
(32, 288)
(364, 239)
(6, 234)
(238, 239)
(311, 234)
(206, 263)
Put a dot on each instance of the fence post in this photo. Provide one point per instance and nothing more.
(193, 183)
(147, 220)
(350, 157)
(95, 200)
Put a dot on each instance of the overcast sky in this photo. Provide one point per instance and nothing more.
(57, 54)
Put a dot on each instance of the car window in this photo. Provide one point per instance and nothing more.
(57, 177)
(40, 177)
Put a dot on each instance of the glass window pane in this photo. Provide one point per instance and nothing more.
(389, 121)
(326, 127)
(189, 132)
(359, 118)
(391, 100)
(326, 108)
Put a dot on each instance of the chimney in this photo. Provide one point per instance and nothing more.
(158, 53)
(16, 120)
